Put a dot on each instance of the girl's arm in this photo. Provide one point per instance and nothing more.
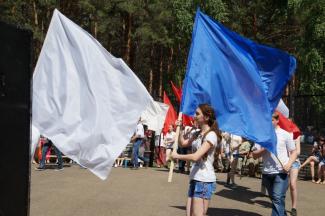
(182, 142)
(297, 141)
(206, 146)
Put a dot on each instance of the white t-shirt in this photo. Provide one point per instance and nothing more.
(170, 136)
(139, 130)
(234, 142)
(203, 169)
(225, 146)
(161, 137)
(285, 144)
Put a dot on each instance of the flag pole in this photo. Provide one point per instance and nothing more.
(175, 145)
(279, 161)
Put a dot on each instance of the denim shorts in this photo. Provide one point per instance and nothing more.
(203, 190)
(322, 162)
(295, 165)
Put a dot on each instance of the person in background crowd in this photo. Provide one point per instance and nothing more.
(144, 149)
(235, 142)
(137, 138)
(276, 169)
(160, 148)
(314, 158)
(46, 146)
(293, 176)
(251, 163)
(225, 151)
(321, 166)
(169, 140)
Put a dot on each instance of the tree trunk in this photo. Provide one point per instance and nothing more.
(128, 29)
(170, 60)
(151, 71)
(95, 28)
(255, 26)
(35, 14)
(161, 73)
(292, 97)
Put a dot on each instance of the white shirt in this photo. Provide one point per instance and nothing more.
(203, 169)
(234, 142)
(225, 146)
(139, 131)
(159, 138)
(285, 144)
(170, 136)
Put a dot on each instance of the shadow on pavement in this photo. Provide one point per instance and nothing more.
(54, 166)
(167, 170)
(242, 194)
(161, 170)
(263, 203)
(224, 211)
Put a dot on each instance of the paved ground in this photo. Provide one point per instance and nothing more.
(145, 192)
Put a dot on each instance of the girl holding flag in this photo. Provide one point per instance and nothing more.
(204, 144)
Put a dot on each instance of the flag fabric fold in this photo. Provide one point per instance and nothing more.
(84, 99)
(242, 80)
(287, 125)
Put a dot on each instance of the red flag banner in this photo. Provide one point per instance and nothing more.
(187, 120)
(171, 116)
(177, 92)
(287, 125)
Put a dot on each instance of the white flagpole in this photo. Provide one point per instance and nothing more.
(175, 146)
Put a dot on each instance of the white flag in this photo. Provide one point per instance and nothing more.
(35, 139)
(282, 108)
(84, 99)
(154, 116)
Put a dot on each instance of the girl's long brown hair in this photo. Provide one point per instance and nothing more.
(208, 111)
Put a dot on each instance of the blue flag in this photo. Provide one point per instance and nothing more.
(241, 79)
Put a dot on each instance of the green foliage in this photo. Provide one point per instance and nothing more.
(154, 36)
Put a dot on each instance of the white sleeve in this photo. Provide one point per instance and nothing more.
(257, 146)
(140, 130)
(212, 138)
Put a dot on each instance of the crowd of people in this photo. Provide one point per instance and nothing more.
(207, 150)
(317, 157)
(204, 150)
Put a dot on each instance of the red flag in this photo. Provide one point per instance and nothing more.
(171, 116)
(289, 126)
(187, 120)
(177, 92)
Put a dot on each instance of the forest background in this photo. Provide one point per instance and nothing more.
(153, 37)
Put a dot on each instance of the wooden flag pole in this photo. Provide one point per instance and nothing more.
(175, 146)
